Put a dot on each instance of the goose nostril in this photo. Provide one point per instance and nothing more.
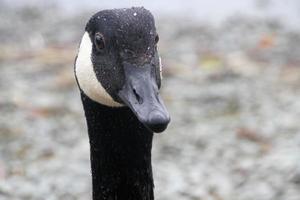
(138, 97)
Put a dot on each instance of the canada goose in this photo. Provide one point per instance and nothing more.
(118, 73)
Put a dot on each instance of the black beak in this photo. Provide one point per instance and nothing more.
(140, 93)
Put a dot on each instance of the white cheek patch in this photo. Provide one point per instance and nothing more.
(86, 77)
(160, 69)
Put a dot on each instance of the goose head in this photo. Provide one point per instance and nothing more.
(118, 64)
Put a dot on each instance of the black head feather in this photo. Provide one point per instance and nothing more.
(129, 35)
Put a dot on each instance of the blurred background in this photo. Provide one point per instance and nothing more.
(231, 83)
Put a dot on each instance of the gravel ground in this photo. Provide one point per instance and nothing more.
(232, 91)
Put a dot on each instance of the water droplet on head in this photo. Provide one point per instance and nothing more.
(134, 14)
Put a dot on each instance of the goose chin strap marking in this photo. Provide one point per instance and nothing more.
(86, 77)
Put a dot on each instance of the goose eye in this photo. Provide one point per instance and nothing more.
(156, 39)
(99, 41)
